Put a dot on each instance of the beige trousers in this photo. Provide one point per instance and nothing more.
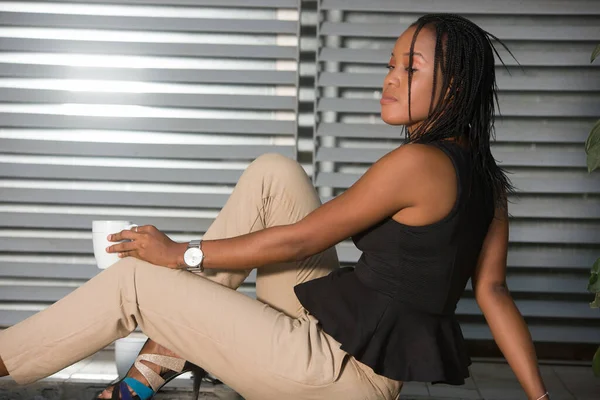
(269, 348)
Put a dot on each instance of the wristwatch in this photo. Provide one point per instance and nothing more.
(194, 256)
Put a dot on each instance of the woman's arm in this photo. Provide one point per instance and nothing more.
(506, 323)
(399, 180)
(379, 193)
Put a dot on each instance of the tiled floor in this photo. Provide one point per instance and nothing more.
(490, 381)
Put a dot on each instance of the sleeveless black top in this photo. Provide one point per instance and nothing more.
(395, 310)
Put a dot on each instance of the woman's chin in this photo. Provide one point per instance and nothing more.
(391, 119)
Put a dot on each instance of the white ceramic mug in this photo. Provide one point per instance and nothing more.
(100, 232)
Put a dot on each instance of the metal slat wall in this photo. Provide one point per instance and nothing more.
(142, 110)
(548, 106)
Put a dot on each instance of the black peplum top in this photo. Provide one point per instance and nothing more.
(395, 311)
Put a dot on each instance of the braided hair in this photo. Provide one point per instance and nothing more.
(466, 111)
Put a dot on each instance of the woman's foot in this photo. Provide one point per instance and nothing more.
(150, 347)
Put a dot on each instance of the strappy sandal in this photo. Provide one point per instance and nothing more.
(176, 366)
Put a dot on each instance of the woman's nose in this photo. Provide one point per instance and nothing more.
(391, 79)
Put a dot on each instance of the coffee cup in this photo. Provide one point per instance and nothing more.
(100, 232)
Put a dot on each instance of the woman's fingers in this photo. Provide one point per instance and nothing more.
(132, 253)
(127, 234)
(146, 243)
(120, 247)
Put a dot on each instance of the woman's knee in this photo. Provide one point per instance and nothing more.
(275, 162)
(278, 170)
(127, 267)
(275, 166)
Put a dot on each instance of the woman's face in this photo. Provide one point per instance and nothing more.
(394, 101)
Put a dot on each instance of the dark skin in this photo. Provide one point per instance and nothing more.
(415, 184)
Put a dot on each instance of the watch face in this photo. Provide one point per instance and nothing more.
(193, 256)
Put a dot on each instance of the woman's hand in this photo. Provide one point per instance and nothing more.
(148, 244)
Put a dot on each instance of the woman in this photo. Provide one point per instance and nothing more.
(427, 216)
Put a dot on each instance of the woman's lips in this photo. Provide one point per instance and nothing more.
(387, 100)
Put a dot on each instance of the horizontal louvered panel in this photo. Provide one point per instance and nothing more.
(545, 183)
(541, 332)
(141, 150)
(165, 75)
(510, 105)
(507, 158)
(529, 80)
(502, 8)
(112, 197)
(516, 32)
(534, 183)
(507, 130)
(118, 173)
(539, 308)
(181, 100)
(148, 49)
(548, 57)
(154, 23)
(68, 219)
(549, 284)
(24, 293)
(554, 232)
(554, 208)
(48, 270)
(195, 3)
(552, 257)
(153, 124)
(519, 257)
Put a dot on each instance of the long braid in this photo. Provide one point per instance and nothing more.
(466, 112)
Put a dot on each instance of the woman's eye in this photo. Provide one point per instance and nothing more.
(410, 70)
(390, 67)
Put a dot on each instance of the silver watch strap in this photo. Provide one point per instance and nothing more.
(195, 243)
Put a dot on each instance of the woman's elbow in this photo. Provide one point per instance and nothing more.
(491, 290)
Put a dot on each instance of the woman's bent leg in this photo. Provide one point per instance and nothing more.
(274, 190)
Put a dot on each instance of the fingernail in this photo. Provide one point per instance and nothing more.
(108, 249)
(120, 255)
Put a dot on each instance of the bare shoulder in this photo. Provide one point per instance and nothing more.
(419, 161)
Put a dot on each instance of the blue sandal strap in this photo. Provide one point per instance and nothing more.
(143, 391)
(124, 392)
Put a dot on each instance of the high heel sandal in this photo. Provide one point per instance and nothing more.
(176, 366)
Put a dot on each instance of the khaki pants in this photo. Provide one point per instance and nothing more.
(269, 348)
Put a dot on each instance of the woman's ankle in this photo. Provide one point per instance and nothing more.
(3, 370)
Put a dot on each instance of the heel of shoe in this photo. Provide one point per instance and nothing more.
(198, 374)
